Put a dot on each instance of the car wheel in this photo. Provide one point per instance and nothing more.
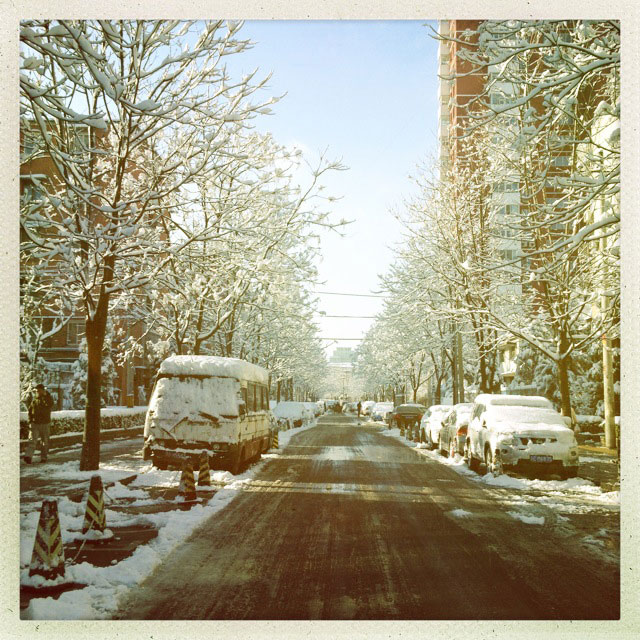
(493, 463)
(452, 449)
(472, 463)
(238, 461)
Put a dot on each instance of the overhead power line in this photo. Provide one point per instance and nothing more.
(356, 295)
(328, 316)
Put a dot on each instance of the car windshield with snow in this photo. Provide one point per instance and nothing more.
(208, 404)
(520, 432)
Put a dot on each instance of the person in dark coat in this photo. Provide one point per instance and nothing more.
(39, 424)
(359, 408)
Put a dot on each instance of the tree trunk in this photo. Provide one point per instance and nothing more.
(438, 392)
(95, 330)
(278, 389)
(563, 381)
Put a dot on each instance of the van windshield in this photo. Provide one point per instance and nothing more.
(195, 398)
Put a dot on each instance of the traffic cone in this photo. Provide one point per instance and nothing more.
(48, 553)
(275, 444)
(187, 486)
(204, 477)
(94, 517)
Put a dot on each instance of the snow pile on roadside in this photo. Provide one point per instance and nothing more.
(525, 518)
(460, 513)
(104, 412)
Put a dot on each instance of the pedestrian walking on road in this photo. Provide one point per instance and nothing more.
(359, 408)
(39, 424)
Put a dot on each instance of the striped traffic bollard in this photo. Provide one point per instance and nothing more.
(187, 486)
(47, 559)
(204, 476)
(94, 517)
(275, 444)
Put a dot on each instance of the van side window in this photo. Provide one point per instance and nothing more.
(243, 404)
(251, 396)
(265, 398)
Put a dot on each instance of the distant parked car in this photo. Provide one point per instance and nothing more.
(405, 415)
(454, 429)
(382, 411)
(367, 405)
(314, 408)
(522, 433)
(432, 423)
(292, 414)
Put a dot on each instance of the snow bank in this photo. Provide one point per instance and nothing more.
(214, 366)
(79, 413)
(525, 518)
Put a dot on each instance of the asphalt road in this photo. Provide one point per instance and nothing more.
(350, 524)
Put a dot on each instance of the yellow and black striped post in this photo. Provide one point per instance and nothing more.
(48, 554)
(94, 517)
(275, 444)
(187, 487)
(204, 477)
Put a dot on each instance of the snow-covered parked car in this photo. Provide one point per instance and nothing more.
(381, 411)
(520, 432)
(367, 405)
(432, 423)
(219, 406)
(314, 408)
(454, 429)
(291, 414)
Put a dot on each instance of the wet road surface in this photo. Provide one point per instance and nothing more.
(350, 524)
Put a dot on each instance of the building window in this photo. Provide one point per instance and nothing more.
(507, 254)
(75, 332)
(506, 187)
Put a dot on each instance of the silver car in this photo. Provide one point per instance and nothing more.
(454, 429)
(520, 432)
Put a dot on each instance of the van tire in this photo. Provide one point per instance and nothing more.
(237, 462)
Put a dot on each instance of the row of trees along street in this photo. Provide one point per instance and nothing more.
(538, 268)
(163, 205)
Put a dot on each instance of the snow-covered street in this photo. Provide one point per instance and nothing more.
(337, 469)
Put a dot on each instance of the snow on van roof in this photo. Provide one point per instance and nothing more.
(214, 366)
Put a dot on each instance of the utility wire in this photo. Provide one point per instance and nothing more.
(357, 295)
(328, 316)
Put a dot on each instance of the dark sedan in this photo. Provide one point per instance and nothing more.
(407, 414)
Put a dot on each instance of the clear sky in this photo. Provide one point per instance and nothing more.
(367, 91)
